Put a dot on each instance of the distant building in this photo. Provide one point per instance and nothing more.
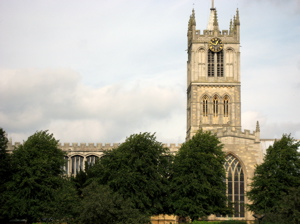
(213, 103)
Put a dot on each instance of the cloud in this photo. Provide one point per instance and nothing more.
(102, 70)
(57, 100)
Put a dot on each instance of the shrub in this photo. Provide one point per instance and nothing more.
(220, 222)
(233, 222)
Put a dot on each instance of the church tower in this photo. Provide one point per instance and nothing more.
(213, 75)
(214, 104)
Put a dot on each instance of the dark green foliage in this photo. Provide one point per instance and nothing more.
(198, 178)
(4, 159)
(63, 206)
(276, 182)
(5, 171)
(287, 209)
(37, 189)
(100, 205)
(220, 222)
(138, 170)
(233, 222)
(80, 181)
(205, 222)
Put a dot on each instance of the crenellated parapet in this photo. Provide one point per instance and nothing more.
(238, 133)
(91, 148)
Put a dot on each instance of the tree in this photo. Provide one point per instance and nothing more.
(275, 177)
(100, 205)
(4, 158)
(198, 177)
(138, 170)
(5, 170)
(37, 183)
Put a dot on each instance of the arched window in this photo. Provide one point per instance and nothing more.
(215, 106)
(235, 185)
(77, 164)
(210, 64)
(91, 159)
(205, 106)
(220, 64)
(226, 107)
(215, 62)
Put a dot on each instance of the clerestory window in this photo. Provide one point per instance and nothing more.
(91, 160)
(77, 164)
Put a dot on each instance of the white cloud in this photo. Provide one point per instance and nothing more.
(58, 101)
(98, 71)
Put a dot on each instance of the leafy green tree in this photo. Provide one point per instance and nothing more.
(83, 178)
(4, 158)
(138, 170)
(37, 183)
(100, 205)
(64, 204)
(5, 170)
(198, 177)
(275, 177)
(289, 206)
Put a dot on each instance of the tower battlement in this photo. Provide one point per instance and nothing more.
(197, 34)
(238, 133)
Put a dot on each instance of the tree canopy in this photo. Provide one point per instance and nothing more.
(198, 177)
(4, 157)
(36, 185)
(100, 205)
(138, 170)
(276, 179)
(5, 170)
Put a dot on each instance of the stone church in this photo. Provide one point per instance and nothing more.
(213, 103)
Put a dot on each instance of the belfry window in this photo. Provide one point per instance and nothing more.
(205, 106)
(226, 106)
(215, 64)
(215, 106)
(220, 68)
(235, 185)
(210, 64)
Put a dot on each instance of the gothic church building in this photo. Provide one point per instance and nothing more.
(214, 104)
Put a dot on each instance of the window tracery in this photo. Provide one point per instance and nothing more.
(215, 62)
(220, 64)
(235, 185)
(210, 64)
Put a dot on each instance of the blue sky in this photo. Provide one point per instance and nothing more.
(98, 71)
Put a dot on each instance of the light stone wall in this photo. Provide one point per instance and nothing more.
(246, 147)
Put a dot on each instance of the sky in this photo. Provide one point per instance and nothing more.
(98, 71)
